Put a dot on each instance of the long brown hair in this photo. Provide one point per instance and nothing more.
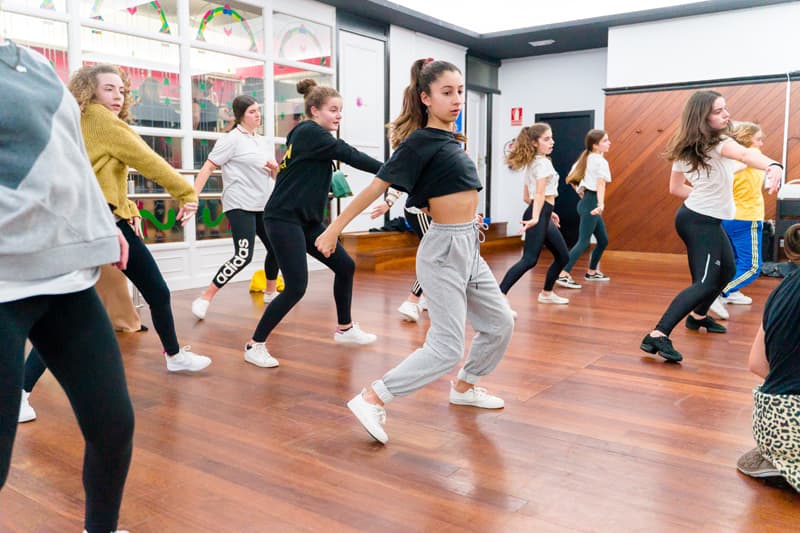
(579, 170)
(414, 114)
(83, 86)
(744, 132)
(695, 138)
(315, 95)
(524, 150)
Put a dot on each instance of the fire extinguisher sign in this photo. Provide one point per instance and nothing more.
(516, 116)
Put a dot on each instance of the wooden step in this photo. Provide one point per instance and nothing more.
(386, 250)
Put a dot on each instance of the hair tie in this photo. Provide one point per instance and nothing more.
(428, 60)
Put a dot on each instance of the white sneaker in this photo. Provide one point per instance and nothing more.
(736, 298)
(371, 416)
(354, 335)
(409, 310)
(552, 299)
(423, 303)
(200, 308)
(258, 355)
(475, 397)
(269, 296)
(718, 308)
(26, 412)
(186, 360)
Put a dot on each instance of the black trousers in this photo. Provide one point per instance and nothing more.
(711, 264)
(74, 337)
(245, 225)
(291, 243)
(544, 233)
(143, 272)
(420, 223)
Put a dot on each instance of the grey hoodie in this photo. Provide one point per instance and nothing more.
(53, 217)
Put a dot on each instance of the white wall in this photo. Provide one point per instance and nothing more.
(546, 84)
(745, 42)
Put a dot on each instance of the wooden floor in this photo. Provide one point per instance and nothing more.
(595, 435)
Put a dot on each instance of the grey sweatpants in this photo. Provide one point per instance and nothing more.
(458, 285)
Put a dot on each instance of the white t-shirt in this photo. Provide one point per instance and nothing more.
(245, 183)
(539, 169)
(712, 189)
(70, 282)
(596, 168)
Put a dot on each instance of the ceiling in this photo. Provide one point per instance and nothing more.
(569, 36)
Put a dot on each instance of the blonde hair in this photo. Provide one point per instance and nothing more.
(414, 114)
(744, 132)
(579, 170)
(83, 86)
(524, 150)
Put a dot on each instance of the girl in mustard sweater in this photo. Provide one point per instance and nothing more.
(102, 92)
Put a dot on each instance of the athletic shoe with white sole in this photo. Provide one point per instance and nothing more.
(552, 299)
(718, 308)
(269, 296)
(597, 276)
(371, 416)
(257, 354)
(186, 360)
(26, 412)
(568, 282)
(475, 397)
(409, 310)
(354, 335)
(736, 298)
(200, 308)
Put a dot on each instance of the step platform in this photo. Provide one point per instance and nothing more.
(385, 250)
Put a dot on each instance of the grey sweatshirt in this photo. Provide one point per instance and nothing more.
(53, 217)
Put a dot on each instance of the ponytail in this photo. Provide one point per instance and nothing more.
(414, 114)
(579, 169)
(523, 151)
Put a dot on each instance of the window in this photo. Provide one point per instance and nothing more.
(48, 37)
(289, 105)
(227, 23)
(296, 39)
(159, 16)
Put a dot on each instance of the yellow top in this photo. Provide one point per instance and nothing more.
(747, 185)
(113, 147)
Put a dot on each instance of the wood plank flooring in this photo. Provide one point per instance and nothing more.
(595, 435)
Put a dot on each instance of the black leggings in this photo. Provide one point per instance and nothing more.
(590, 225)
(711, 264)
(143, 272)
(544, 233)
(419, 222)
(245, 225)
(75, 338)
(291, 243)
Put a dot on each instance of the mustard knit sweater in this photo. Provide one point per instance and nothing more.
(113, 147)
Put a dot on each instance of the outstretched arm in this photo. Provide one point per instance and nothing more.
(326, 242)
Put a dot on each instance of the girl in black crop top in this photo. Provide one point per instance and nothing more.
(295, 212)
(430, 164)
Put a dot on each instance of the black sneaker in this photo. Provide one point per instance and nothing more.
(662, 346)
(597, 276)
(711, 325)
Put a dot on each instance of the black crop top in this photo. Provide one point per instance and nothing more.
(428, 164)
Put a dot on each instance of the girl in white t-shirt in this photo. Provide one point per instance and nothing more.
(704, 156)
(530, 152)
(589, 175)
(246, 186)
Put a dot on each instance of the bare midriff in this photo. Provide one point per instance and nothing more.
(455, 208)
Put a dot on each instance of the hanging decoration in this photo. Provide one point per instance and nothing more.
(226, 10)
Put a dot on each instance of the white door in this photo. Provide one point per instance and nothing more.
(361, 84)
(476, 139)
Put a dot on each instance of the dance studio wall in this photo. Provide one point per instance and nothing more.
(639, 209)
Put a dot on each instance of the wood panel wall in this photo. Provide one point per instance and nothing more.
(639, 209)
